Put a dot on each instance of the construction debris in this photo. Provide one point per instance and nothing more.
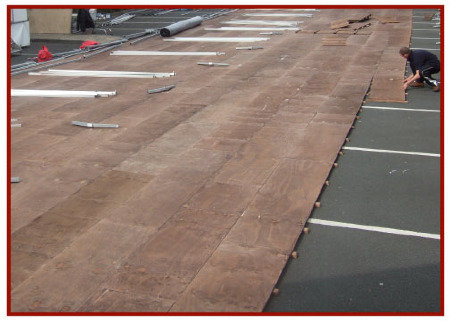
(339, 25)
(343, 23)
(360, 18)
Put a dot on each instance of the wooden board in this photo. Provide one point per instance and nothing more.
(197, 200)
(343, 23)
(387, 20)
(334, 41)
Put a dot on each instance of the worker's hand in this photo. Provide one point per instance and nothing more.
(405, 86)
(405, 80)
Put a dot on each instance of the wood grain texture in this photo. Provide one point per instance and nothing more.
(197, 200)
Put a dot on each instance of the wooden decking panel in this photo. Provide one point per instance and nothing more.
(195, 202)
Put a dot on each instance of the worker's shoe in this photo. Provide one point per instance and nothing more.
(417, 84)
(436, 88)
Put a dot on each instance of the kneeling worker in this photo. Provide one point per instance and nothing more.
(423, 64)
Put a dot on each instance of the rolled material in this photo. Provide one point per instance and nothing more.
(180, 26)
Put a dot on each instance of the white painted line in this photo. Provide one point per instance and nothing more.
(425, 38)
(426, 48)
(424, 29)
(374, 228)
(401, 109)
(389, 151)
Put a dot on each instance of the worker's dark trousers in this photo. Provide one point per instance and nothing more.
(425, 75)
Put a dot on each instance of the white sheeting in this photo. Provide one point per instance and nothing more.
(20, 33)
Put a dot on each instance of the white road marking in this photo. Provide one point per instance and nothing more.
(389, 151)
(374, 228)
(427, 49)
(402, 109)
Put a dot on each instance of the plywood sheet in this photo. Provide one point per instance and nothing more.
(339, 24)
(197, 200)
(334, 41)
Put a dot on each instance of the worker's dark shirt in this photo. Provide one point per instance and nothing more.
(418, 59)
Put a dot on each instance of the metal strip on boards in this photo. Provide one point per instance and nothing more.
(308, 15)
(102, 73)
(165, 53)
(251, 29)
(264, 22)
(217, 39)
(60, 93)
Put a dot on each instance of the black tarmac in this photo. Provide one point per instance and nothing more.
(348, 270)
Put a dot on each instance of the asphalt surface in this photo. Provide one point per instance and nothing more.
(106, 31)
(348, 270)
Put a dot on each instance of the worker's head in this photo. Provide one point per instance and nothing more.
(404, 52)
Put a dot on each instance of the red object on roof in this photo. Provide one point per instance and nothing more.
(44, 54)
(88, 43)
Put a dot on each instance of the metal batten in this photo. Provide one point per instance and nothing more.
(308, 15)
(162, 89)
(164, 53)
(60, 93)
(152, 34)
(94, 125)
(101, 51)
(251, 28)
(212, 64)
(271, 33)
(264, 22)
(249, 48)
(218, 39)
(102, 73)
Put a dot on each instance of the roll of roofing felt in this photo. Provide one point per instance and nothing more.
(180, 26)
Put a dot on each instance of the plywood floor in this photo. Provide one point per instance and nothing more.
(196, 201)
